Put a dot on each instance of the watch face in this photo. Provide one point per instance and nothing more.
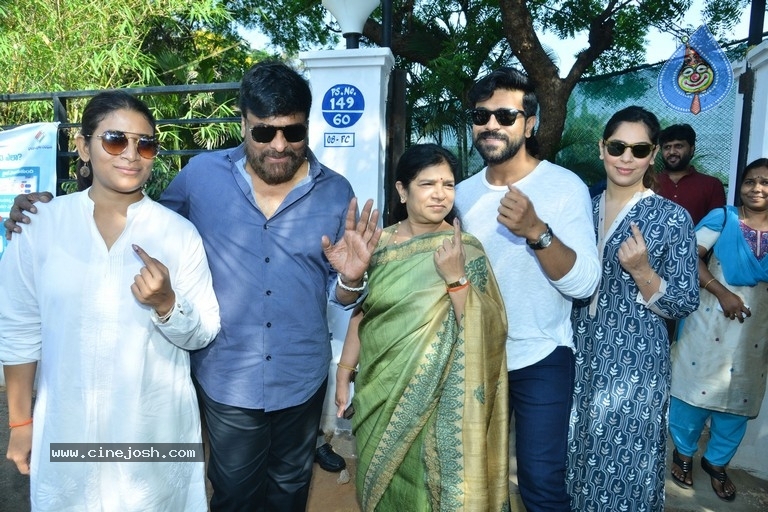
(544, 240)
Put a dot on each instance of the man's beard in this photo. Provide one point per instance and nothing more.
(681, 165)
(275, 174)
(498, 156)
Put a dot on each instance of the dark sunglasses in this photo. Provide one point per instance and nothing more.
(115, 143)
(504, 116)
(265, 133)
(639, 150)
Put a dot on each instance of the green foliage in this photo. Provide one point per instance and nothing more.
(73, 45)
(446, 45)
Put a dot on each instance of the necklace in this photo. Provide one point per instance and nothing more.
(394, 234)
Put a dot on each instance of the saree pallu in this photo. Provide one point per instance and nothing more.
(431, 401)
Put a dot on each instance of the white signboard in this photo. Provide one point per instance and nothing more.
(27, 163)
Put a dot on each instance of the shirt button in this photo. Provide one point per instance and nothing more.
(269, 324)
(266, 260)
(269, 358)
(265, 227)
(269, 292)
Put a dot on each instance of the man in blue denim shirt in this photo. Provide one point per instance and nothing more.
(262, 210)
(280, 234)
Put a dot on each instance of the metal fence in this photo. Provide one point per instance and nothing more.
(595, 100)
(64, 107)
(589, 108)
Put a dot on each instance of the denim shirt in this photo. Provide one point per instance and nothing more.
(270, 276)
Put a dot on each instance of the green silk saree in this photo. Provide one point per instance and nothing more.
(431, 402)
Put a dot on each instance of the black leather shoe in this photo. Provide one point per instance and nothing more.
(329, 460)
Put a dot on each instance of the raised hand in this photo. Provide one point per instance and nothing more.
(352, 253)
(450, 256)
(633, 254)
(517, 214)
(152, 285)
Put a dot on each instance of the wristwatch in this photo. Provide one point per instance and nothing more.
(461, 282)
(544, 240)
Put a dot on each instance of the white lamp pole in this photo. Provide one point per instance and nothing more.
(351, 15)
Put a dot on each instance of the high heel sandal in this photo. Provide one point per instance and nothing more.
(721, 477)
(686, 466)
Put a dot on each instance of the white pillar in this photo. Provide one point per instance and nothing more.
(348, 133)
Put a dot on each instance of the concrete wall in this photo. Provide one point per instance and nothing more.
(753, 451)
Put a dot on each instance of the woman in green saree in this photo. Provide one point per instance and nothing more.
(431, 421)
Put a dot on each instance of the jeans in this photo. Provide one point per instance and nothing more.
(261, 461)
(540, 397)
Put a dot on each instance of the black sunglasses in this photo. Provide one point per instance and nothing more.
(115, 143)
(265, 133)
(504, 116)
(639, 150)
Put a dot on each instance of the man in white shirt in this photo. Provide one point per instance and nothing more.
(534, 219)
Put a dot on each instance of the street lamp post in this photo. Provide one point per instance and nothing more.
(351, 15)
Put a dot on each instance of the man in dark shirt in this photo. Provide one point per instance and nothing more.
(680, 181)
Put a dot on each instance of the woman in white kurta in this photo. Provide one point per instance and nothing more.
(719, 361)
(104, 294)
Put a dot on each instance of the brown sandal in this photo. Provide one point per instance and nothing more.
(686, 466)
(721, 477)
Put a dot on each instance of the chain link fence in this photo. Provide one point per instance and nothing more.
(595, 100)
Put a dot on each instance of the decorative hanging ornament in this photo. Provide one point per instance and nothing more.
(698, 76)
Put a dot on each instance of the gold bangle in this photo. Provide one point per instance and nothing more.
(350, 368)
(708, 282)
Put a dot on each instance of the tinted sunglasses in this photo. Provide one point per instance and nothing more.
(504, 116)
(115, 143)
(265, 133)
(639, 150)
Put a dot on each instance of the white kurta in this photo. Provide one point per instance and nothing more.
(108, 373)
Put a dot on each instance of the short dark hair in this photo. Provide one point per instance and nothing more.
(272, 88)
(635, 114)
(415, 159)
(509, 79)
(678, 132)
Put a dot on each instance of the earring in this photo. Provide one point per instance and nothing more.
(85, 170)
(402, 199)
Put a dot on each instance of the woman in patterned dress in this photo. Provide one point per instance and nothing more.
(617, 438)
(719, 361)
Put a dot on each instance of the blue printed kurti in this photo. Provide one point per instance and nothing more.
(617, 439)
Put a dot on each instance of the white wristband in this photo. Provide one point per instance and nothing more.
(359, 289)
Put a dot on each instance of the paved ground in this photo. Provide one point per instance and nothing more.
(335, 492)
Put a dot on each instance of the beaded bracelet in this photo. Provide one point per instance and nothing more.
(20, 424)
(359, 289)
